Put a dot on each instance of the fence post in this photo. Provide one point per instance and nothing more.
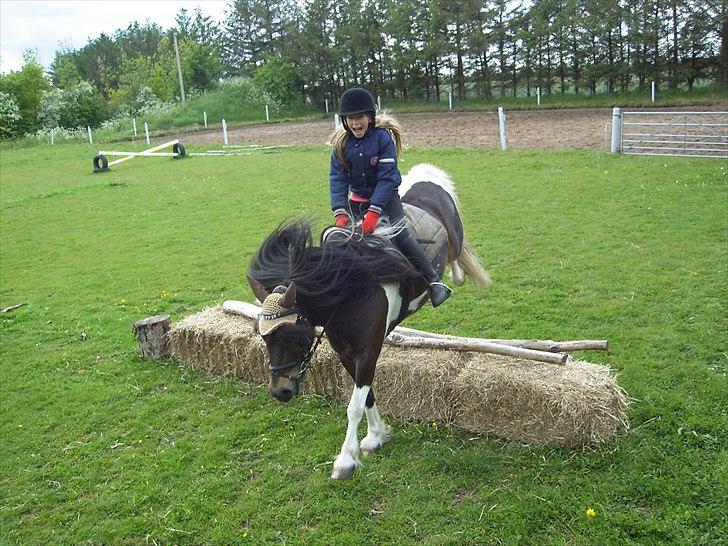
(146, 131)
(337, 122)
(53, 135)
(133, 124)
(327, 106)
(267, 114)
(538, 96)
(90, 139)
(224, 132)
(204, 118)
(450, 100)
(379, 102)
(502, 127)
(653, 90)
(616, 130)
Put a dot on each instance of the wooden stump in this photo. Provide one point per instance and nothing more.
(151, 333)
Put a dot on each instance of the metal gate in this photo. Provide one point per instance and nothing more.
(681, 134)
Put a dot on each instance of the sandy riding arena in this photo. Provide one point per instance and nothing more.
(582, 128)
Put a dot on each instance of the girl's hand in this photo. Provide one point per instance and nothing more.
(370, 222)
(342, 220)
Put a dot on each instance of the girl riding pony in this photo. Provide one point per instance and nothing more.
(364, 178)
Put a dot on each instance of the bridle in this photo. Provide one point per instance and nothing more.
(305, 360)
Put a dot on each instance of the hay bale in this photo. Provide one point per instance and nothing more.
(533, 402)
(223, 344)
(575, 404)
(417, 384)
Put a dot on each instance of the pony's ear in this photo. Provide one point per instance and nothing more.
(289, 298)
(258, 289)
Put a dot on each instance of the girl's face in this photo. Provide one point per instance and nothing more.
(358, 124)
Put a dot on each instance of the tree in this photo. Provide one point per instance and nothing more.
(27, 87)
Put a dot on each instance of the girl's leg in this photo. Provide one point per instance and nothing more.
(409, 246)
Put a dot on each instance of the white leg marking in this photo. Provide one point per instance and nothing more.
(348, 459)
(418, 302)
(378, 433)
(394, 302)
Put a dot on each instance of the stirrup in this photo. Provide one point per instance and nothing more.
(438, 292)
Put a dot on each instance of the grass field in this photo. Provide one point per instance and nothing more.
(99, 446)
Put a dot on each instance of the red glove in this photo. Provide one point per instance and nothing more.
(342, 220)
(370, 222)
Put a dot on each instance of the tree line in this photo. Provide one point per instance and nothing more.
(404, 49)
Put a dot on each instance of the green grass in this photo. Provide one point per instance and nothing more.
(100, 446)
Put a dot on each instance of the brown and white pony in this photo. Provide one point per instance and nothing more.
(358, 289)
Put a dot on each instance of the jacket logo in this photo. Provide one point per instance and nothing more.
(374, 160)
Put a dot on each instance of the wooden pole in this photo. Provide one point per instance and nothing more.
(537, 344)
(252, 311)
(154, 149)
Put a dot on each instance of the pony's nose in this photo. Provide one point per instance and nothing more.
(282, 395)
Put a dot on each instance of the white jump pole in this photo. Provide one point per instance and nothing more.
(267, 114)
(133, 124)
(146, 131)
(90, 138)
(653, 91)
(224, 132)
(616, 130)
(204, 117)
(538, 96)
(449, 96)
(145, 152)
(327, 106)
(502, 127)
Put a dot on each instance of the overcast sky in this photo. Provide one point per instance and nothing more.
(42, 25)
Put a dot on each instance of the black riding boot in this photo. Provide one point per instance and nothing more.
(409, 246)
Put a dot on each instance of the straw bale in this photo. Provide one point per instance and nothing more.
(574, 404)
(533, 402)
(416, 384)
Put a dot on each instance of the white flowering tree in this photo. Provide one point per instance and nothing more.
(9, 116)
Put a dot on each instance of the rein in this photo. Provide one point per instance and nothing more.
(305, 359)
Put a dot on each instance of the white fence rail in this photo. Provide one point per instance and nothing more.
(680, 134)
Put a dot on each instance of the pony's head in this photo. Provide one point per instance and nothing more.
(288, 337)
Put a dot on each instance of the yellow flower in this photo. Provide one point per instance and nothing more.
(591, 512)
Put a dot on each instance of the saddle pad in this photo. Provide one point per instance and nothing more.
(427, 229)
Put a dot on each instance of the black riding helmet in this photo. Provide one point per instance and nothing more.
(356, 101)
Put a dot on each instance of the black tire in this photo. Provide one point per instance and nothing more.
(101, 164)
(178, 149)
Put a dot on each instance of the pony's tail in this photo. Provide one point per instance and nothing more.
(469, 264)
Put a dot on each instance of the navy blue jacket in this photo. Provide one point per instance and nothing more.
(374, 174)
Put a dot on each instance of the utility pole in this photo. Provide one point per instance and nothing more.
(179, 72)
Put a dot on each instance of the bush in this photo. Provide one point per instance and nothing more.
(9, 116)
(78, 106)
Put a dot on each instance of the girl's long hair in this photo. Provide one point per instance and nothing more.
(383, 120)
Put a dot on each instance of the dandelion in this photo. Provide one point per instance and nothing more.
(590, 512)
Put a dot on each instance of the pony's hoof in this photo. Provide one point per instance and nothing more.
(372, 445)
(343, 473)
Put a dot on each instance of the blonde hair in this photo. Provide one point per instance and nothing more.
(384, 120)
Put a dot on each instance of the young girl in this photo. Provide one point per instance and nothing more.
(364, 178)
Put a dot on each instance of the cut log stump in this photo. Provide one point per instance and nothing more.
(152, 335)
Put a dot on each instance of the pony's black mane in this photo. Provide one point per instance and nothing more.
(331, 273)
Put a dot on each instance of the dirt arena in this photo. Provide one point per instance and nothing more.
(584, 128)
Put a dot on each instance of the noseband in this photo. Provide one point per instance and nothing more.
(305, 360)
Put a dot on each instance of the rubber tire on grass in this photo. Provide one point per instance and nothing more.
(101, 164)
(178, 149)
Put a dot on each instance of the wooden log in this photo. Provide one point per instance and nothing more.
(152, 335)
(475, 346)
(154, 149)
(536, 344)
(252, 311)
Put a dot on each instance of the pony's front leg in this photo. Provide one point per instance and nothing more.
(378, 433)
(348, 459)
